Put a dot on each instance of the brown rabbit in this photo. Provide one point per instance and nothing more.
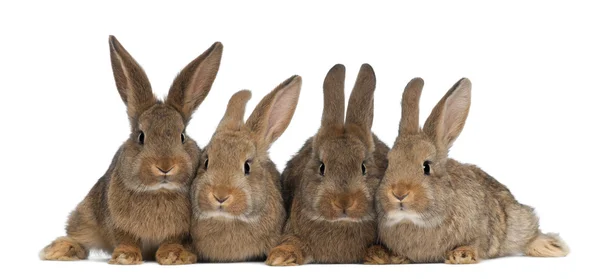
(435, 209)
(238, 210)
(140, 208)
(332, 180)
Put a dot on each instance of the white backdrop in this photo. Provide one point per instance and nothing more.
(533, 121)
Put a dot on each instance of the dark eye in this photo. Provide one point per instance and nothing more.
(206, 164)
(247, 167)
(322, 169)
(141, 138)
(182, 137)
(364, 169)
(426, 167)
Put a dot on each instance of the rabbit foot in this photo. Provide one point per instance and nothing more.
(377, 254)
(126, 255)
(63, 249)
(284, 255)
(462, 255)
(174, 254)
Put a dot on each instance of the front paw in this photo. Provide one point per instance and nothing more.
(285, 255)
(174, 254)
(462, 255)
(378, 254)
(126, 255)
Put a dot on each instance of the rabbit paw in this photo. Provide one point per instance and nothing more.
(462, 255)
(126, 255)
(174, 254)
(63, 249)
(284, 255)
(378, 254)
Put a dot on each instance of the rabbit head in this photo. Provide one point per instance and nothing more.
(338, 180)
(417, 179)
(158, 154)
(233, 177)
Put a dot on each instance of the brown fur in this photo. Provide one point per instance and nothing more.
(458, 213)
(239, 216)
(331, 216)
(135, 208)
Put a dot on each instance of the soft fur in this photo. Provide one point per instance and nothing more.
(140, 208)
(238, 216)
(457, 214)
(331, 216)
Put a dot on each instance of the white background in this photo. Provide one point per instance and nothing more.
(533, 121)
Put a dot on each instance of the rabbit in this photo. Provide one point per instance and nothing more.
(330, 184)
(434, 209)
(140, 208)
(238, 210)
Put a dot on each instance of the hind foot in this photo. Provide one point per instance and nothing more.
(63, 249)
(547, 245)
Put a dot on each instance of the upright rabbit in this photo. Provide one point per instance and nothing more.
(140, 208)
(435, 209)
(238, 210)
(331, 182)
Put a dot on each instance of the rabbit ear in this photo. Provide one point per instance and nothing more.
(132, 82)
(234, 116)
(409, 123)
(273, 114)
(359, 116)
(193, 83)
(448, 117)
(333, 100)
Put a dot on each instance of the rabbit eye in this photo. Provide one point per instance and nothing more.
(364, 169)
(182, 137)
(206, 164)
(322, 169)
(141, 138)
(247, 167)
(426, 167)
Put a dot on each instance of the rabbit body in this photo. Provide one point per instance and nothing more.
(140, 209)
(238, 210)
(330, 184)
(434, 209)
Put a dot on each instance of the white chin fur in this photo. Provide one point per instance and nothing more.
(225, 216)
(162, 186)
(399, 216)
(342, 220)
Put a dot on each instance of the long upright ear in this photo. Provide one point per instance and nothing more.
(359, 118)
(409, 123)
(273, 114)
(193, 83)
(234, 115)
(448, 117)
(332, 119)
(132, 82)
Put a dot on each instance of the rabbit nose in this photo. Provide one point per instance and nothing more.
(344, 204)
(221, 199)
(165, 170)
(400, 197)
(165, 166)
